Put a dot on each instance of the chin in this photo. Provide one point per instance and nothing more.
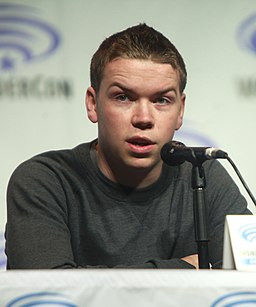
(143, 164)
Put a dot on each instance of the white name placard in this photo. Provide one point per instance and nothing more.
(240, 243)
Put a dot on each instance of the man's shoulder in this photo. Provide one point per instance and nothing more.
(58, 159)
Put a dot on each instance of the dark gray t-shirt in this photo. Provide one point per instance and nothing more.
(62, 212)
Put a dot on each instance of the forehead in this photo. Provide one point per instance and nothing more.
(134, 71)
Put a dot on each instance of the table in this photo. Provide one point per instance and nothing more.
(119, 287)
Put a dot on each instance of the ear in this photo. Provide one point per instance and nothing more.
(90, 101)
(181, 112)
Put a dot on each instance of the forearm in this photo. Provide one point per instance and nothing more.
(152, 264)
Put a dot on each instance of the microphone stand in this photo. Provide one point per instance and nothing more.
(200, 214)
(175, 153)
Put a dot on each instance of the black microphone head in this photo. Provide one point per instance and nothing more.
(170, 156)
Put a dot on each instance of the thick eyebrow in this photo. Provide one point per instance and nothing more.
(167, 90)
(121, 86)
(128, 90)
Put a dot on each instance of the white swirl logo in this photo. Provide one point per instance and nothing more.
(41, 298)
(23, 36)
(246, 298)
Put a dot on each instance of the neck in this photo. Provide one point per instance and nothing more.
(126, 175)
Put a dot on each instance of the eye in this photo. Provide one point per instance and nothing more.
(122, 98)
(163, 100)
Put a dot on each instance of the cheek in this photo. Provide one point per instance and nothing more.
(176, 119)
(167, 127)
(170, 122)
(179, 121)
(111, 122)
(114, 117)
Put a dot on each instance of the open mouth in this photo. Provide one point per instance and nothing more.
(140, 142)
(141, 146)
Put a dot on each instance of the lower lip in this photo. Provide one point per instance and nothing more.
(141, 149)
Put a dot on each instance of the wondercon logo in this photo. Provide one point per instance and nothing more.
(42, 299)
(247, 33)
(246, 298)
(24, 37)
(248, 232)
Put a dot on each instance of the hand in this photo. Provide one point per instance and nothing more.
(192, 259)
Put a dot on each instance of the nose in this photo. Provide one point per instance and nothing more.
(142, 117)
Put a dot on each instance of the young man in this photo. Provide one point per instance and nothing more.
(112, 202)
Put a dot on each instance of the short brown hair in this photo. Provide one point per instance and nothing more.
(138, 42)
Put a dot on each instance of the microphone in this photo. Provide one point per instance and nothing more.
(175, 153)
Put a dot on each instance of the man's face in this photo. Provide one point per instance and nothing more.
(138, 108)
